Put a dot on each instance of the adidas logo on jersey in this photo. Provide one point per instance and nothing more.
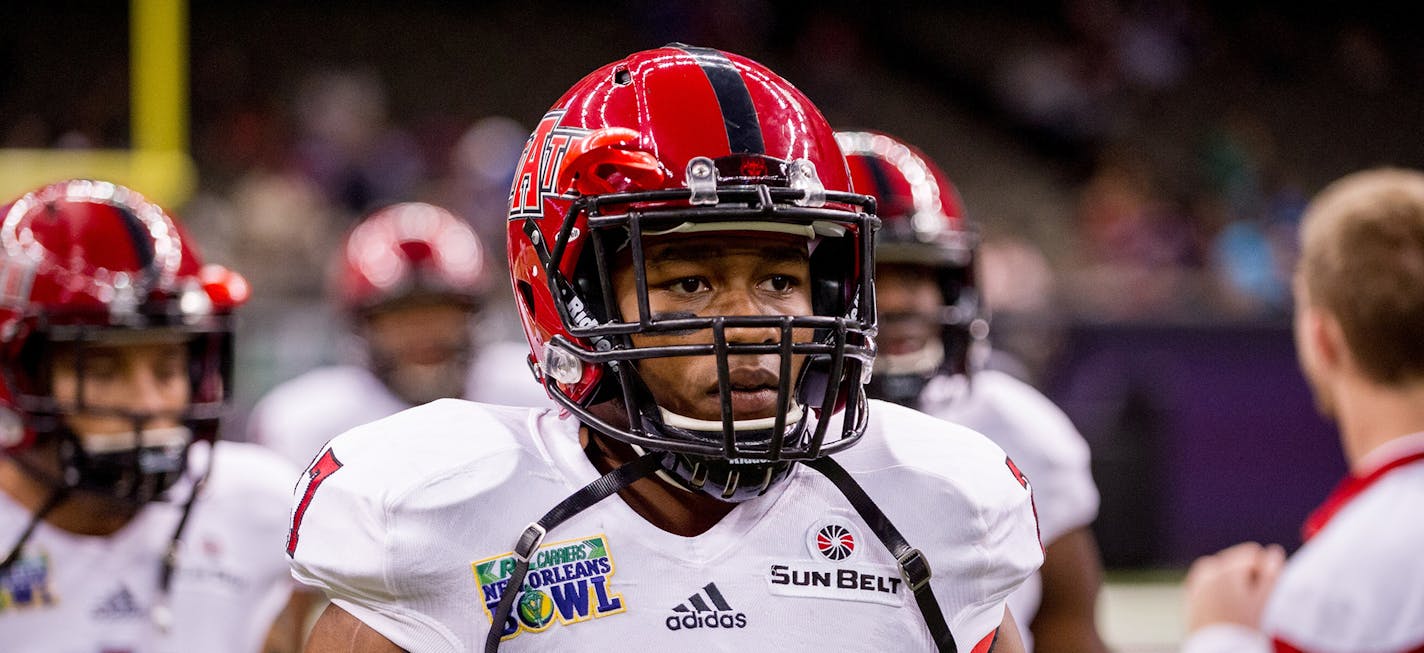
(705, 609)
(119, 605)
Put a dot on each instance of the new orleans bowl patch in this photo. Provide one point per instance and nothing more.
(567, 583)
(26, 584)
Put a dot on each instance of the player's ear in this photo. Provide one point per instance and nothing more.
(1324, 338)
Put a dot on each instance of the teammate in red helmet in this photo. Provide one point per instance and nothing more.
(125, 525)
(695, 278)
(933, 339)
(409, 279)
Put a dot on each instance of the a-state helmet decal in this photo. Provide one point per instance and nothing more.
(539, 167)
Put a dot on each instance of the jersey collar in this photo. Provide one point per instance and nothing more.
(1373, 466)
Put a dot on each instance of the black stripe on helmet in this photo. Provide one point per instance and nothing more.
(739, 115)
(881, 180)
(138, 233)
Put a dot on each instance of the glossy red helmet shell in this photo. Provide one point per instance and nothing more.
(921, 214)
(634, 125)
(85, 255)
(676, 138)
(405, 250)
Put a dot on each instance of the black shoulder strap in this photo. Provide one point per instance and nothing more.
(533, 536)
(914, 568)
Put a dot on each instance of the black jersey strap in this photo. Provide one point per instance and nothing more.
(533, 536)
(914, 568)
(56, 497)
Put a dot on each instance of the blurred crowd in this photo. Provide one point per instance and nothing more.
(1136, 171)
(1129, 161)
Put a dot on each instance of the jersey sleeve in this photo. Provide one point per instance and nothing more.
(957, 496)
(340, 543)
(1043, 442)
(1007, 553)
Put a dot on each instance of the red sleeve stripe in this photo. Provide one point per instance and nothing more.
(987, 644)
(1281, 646)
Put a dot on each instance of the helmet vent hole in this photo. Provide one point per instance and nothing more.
(526, 292)
(622, 77)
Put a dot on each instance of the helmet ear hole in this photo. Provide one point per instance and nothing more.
(526, 294)
(831, 281)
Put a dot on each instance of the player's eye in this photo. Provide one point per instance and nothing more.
(780, 283)
(688, 285)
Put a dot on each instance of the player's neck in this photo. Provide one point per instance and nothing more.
(1370, 415)
(672, 509)
(82, 513)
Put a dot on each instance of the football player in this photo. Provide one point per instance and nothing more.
(1357, 584)
(695, 280)
(409, 278)
(125, 525)
(933, 330)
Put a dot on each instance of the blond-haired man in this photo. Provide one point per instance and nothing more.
(1357, 584)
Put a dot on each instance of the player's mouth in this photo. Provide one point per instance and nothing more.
(754, 392)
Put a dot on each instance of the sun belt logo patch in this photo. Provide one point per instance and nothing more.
(837, 568)
(567, 583)
(835, 542)
(834, 539)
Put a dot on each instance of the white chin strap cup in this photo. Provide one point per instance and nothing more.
(925, 360)
(793, 415)
(173, 437)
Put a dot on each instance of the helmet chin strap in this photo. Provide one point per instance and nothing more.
(709, 426)
(662, 473)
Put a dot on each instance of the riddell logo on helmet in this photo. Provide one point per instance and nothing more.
(705, 609)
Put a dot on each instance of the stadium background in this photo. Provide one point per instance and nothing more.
(1137, 168)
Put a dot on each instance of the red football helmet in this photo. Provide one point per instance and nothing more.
(407, 254)
(690, 139)
(923, 223)
(84, 261)
(407, 251)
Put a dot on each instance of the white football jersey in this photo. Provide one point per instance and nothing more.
(73, 593)
(1041, 441)
(1358, 582)
(408, 524)
(297, 417)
